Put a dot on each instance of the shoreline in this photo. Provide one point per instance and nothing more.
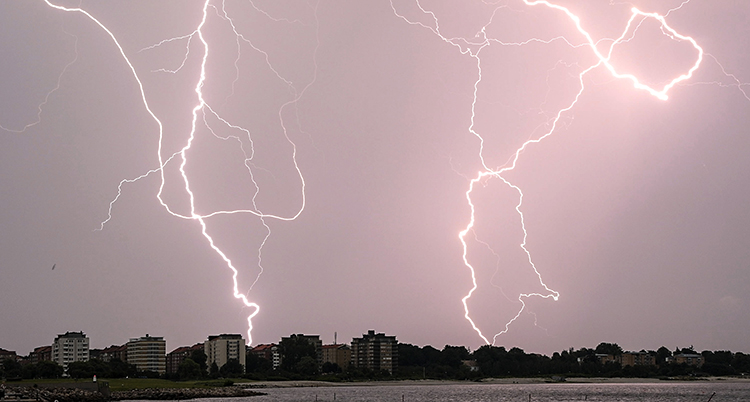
(488, 381)
(244, 389)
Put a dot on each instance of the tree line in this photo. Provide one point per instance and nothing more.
(496, 361)
(11, 369)
(300, 361)
(459, 363)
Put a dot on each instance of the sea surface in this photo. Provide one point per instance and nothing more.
(648, 392)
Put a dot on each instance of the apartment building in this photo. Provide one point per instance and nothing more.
(375, 352)
(220, 348)
(7, 354)
(42, 353)
(269, 352)
(70, 347)
(339, 354)
(641, 358)
(148, 353)
(177, 356)
(691, 359)
(114, 352)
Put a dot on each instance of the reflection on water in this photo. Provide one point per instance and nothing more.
(651, 392)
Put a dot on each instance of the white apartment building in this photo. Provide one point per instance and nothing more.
(148, 353)
(220, 348)
(70, 347)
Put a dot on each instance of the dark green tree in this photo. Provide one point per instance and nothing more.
(453, 356)
(307, 365)
(293, 349)
(232, 368)
(28, 371)
(662, 354)
(81, 369)
(718, 363)
(120, 369)
(410, 355)
(741, 362)
(608, 349)
(213, 371)
(48, 369)
(11, 368)
(199, 356)
(689, 351)
(255, 364)
(189, 370)
(329, 367)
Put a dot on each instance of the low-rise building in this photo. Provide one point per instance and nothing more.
(641, 358)
(177, 356)
(42, 353)
(339, 354)
(114, 352)
(269, 352)
(8, 354)
(687, 358)
(471, 364)
(606, 358)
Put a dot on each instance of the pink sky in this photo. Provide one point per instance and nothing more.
(635, 207)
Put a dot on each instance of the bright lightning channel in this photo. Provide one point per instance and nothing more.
(471, 47)
(200, 110)
(474, 48)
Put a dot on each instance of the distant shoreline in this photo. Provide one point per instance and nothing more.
(489, 381)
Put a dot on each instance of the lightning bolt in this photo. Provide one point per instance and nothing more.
(205, 115)
(199, 116)
(41, 105)
(602, 51)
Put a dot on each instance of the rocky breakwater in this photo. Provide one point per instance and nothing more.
(182, 393)
(80, 395)
(53, 394)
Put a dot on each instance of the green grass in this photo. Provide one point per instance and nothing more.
(126, 384)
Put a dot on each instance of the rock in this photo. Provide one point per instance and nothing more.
(182, 393)
(79, 395)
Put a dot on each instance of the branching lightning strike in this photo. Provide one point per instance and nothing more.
(199, 113)
(473, 48)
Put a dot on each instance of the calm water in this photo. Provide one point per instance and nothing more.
(653, 392)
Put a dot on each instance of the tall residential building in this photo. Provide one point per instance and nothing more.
(148, 353)
(220, 348)
(70, 347)
(375, 352)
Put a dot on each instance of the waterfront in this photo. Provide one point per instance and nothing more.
(699, 391)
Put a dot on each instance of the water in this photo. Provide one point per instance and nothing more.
(649, 392)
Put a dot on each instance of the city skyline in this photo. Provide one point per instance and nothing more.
(370, 336)
(365, 125)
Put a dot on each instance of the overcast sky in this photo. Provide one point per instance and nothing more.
(636, 208)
